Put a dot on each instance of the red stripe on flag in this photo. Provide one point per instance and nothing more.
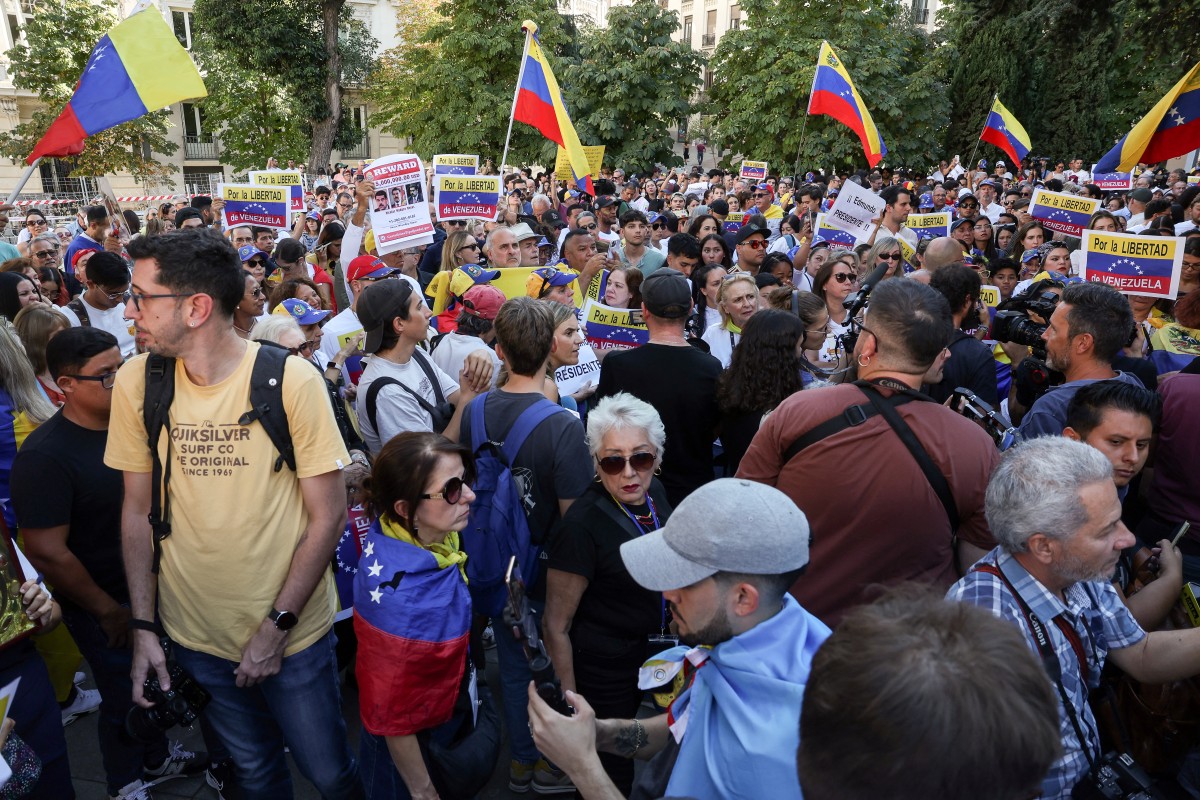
(843, 111)
(993, 136)
(406, 685)
(63, 138)
(1174, 141)
(532, 110)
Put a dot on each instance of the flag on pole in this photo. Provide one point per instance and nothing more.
(1003, 130)
(540, 104)
(833, 93)
(137, 67)
(1171, 129)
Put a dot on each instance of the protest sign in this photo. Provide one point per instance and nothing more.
(1146, 265)
(399, 209)
(250, 204)
(908, 253)
(456, 164)
(734, 221)
(282, 177)
(466, 196)
(609, 328)
(115, 216)
(929, 226)
(1112, 181)
(595, 157)
(989, 295)
(754, 170)
(1062, 213)
(572, 377)
(855, 210)
(835, 237)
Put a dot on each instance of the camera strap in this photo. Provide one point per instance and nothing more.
(1041, 639)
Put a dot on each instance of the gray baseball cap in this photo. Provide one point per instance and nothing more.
(728, 525)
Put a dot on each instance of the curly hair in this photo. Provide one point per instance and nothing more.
(765, 368)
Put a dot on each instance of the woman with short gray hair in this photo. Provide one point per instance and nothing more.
(600, 625)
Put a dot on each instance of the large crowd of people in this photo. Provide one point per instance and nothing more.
(880, 516)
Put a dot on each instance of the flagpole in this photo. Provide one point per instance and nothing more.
(25, 176)
(516, 94)
(979, 139)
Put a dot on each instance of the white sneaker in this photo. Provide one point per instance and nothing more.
(138, 790)
(86, 701)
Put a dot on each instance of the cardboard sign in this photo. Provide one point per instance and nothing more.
(595, 157)
(835, 237)
(1062, 213)
(455, 165)
(927, 226)
(1146, 265)
(399, 209)
(466, 196)
(250, 204)
(609, 328)
(572, 377)
(282, 177)
(855, 211)
(754, 170)
(990, 296)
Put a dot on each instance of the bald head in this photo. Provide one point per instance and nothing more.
(942, 251)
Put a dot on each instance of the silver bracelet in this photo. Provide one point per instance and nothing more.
(639, 736)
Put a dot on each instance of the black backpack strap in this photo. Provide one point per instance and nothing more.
(427, 367)
(378, 384)
(266, 402)
(852, 417)
(80, 310)
(156, 412)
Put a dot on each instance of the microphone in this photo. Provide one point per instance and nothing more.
(856, 301)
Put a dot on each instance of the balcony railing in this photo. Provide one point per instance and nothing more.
(708, 40)
(200, 147)
(360, 150)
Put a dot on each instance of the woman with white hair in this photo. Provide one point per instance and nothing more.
(600, 625)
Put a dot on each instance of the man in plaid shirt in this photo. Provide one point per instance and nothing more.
(1052, 505)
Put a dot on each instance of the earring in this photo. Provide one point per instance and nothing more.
(863, 360)
(191, 324)
(597, 479)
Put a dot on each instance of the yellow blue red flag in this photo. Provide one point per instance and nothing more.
(1171, 129)
(540, 104)
(833, 94)
(1003, 130)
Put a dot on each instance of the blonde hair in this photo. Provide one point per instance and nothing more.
(18, 379)
(737, 277)
(35, 324)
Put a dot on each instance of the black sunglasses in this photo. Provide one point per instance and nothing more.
(615, 465)
(451, 492)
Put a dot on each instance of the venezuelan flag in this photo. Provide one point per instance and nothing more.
(1171, 129)
(833, 93)
(540, 104)
(136, 68)
(1003, 130)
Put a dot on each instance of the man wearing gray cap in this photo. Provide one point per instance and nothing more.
(724, 562)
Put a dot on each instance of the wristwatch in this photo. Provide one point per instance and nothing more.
(284, 620)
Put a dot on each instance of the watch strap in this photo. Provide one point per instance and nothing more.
(136, 624)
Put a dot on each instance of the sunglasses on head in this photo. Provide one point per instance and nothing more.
(615, 465)
(451, 492)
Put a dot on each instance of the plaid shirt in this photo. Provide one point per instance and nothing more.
(1099, 618)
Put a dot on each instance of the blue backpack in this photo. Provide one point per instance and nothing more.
(497, 528)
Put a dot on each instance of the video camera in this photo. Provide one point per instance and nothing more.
(179, 705)
(519, 619)
(1013, 324)
(973, 407)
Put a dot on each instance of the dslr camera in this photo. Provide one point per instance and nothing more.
(1014, 324)
(1116, 776)
(179, 705)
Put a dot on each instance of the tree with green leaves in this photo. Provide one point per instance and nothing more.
(762, 74)
(302, 53)
(617, 97)
(451, 90)
(58, 40)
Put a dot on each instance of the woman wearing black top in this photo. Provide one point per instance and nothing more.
(600, 625)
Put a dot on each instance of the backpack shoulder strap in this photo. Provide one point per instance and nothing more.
(526, 423)
(158, 395)
(378, 385)
(479, 435)
(80, 310)
(266, 402)
(427, 367)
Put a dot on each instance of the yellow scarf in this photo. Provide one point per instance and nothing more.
(729, 326)
(446, 552)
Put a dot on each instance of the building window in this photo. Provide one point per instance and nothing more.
(920, 12)
(708, 79)
(181, 21)
(687, 29)
(735, 17)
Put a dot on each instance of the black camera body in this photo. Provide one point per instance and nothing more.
(1014, 324)
(1116, 776)
(180, 705)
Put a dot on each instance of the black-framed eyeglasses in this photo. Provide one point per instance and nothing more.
(305, 348)
(844, 277)
(258, 292)
(591, 227)
(968, 205)
(106, 380)
(458, 223)
(29, 223)
(137, 297)
(615, 465)
(46, 253)
(257, 262)
(451, 492)
(657, 226)
(469, 247)
(889, 256)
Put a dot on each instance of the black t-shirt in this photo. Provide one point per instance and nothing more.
(59, 478)
(971, 366)
(681, 384)
(587, 542)
(737, 431)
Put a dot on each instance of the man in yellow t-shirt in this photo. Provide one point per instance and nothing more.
(244, 589)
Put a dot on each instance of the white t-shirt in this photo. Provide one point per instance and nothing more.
(993, 212)
(113, 320)
(1184, 227)
(721, 341)
(396, 409)
(345, 322)
(453, 349)
(612, 238)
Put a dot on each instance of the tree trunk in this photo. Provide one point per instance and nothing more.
(325, 130)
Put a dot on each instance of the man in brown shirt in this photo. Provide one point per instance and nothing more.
(876, 519)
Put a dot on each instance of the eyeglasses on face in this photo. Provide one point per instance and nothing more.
(889, 256)
(756, 244)
(845, 277)
(139, 298)
(257, 292)
(106, 380)
(968, 205)
(46, 253)
(615, 465)
(451, 492)
(474, 246)
(118, 297)
(35, 223)
(591, 227)
(257, 262)
(305, 348)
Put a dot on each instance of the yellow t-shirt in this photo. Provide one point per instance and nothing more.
(235, 522)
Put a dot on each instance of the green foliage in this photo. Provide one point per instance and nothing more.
(60, 38)
(450, 89)
(1159, 43)
(632, 84)
(762, 74)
